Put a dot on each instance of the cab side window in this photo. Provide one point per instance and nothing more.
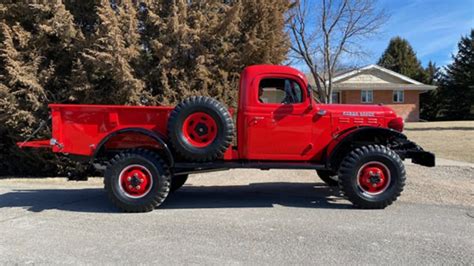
(279, 91)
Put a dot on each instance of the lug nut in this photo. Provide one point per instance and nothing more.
(142, 180)
(130, 186)
(135, 175)
(138, 187)
(129, 178)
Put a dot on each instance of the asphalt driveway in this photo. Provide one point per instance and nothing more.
(241, 217)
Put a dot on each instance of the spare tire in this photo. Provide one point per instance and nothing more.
(200, 129)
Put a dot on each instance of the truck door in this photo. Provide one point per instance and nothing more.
(278, 120)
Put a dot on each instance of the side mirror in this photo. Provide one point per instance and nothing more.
(322, 112)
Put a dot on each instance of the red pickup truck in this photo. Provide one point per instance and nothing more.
(148, 152)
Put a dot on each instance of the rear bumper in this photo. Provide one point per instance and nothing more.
(35, 144)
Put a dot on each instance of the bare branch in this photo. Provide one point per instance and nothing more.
(324, 33)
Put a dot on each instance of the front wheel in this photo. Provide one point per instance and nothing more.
(137, 180)
(372, 176)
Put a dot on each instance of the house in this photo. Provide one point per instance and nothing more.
(374, 84)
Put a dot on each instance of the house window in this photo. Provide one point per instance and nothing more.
(335, 97)
(280, 91)
(366, 96)
(398, 96)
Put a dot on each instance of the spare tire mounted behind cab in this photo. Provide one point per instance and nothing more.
(200, 129)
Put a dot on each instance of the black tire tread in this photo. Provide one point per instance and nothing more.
(158, 198)
(212, 103)
(347, 167)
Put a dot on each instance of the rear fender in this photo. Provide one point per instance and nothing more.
(140, 138)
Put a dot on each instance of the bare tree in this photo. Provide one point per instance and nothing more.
(323, 31)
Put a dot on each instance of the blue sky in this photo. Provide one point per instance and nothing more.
(433, 28)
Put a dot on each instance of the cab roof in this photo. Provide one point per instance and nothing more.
(254, 70)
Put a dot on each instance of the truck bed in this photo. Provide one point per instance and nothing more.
(78, 129)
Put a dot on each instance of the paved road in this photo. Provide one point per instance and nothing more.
(241, 217)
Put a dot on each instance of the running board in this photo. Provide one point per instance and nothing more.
(187, 167)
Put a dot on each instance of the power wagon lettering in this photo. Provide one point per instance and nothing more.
(366, 114)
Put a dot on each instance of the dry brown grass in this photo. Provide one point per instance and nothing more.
(450, 140)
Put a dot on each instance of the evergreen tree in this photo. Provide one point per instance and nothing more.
(261, 25)
(429, 101)
(105, 66)
(457, 83)
(84, 13)
(36, 41)
(199, 48)
(431, 74)
(171, 53)
(400, 57)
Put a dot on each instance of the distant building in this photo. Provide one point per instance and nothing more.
(374, 84)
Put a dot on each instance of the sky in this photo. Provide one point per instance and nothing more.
(432, 27)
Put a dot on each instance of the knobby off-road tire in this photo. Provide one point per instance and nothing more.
(327, 177)
(177, 182)
(137, 180)
(372, 163)
(200, 129)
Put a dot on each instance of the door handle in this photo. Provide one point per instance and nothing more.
(255, 120)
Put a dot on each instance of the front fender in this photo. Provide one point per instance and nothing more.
(395, 140)
(351, 134)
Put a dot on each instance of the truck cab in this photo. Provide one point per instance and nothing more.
(278, 118)
(275, 115)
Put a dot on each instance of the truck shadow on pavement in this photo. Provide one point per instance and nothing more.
(255, 195)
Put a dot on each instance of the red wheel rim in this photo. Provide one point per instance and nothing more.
(373, 178)
(135, 181)
(200, 129)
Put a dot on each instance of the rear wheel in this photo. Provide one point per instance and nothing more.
(328, 177)
(178, 181)
(200, 129)
(137, 180)
(372, 176)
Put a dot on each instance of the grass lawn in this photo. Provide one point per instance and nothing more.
(449, 140)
